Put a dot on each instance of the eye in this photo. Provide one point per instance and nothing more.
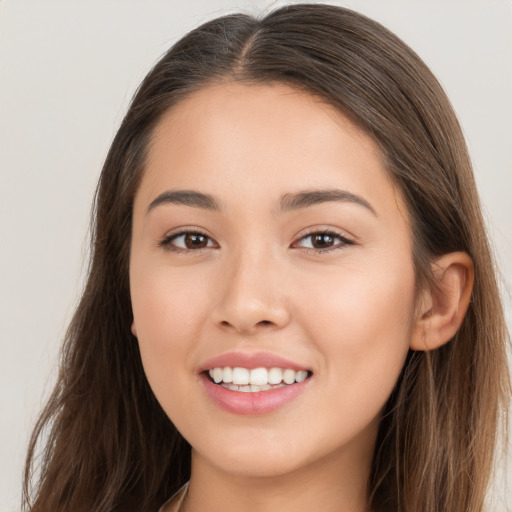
(187, 241)
(322, 241)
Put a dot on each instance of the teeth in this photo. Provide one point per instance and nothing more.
(251, 388)
(218, 375)
(259, 376)
(227, 375)
(301, 375)
(289, 376)
(275, 375)
(240, 376)
(256, 379)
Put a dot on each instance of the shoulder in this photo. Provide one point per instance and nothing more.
(173, 504)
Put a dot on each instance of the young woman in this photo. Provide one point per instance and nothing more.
(291, 301)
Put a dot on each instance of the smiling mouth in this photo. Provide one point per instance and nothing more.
(256, 379)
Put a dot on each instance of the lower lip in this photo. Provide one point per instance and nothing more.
(249, 403)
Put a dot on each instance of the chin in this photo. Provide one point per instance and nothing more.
(260, 465)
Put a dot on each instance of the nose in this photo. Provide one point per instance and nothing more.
(252, 295)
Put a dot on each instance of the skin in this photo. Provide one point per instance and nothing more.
(348, 314)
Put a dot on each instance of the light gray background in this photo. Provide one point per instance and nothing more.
(67, 72)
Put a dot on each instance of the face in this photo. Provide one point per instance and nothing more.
(271, 279)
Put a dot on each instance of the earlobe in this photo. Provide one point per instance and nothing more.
(134, 329)
(443, 308)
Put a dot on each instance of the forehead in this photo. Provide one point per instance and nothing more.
(261, 140)
(261, 111)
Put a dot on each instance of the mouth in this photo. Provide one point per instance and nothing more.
(255, 380)
(253, 383)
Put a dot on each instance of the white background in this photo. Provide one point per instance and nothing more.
(67, 72)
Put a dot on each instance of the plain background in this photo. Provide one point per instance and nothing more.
(67, 72)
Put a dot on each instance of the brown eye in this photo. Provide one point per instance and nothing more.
(187, 241)
(195, 241)
(322, 241)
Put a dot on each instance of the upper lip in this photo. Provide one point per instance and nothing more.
(250, 360)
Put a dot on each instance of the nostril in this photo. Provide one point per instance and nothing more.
(225, 323)
(246, 323)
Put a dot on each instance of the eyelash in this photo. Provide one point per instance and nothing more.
(167, 241)
(342, 241)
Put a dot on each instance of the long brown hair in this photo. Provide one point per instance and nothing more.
(108, 445)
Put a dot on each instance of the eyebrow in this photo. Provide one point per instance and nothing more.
(186, 198)
(288, 202)
(312, 197)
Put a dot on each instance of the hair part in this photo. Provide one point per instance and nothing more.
(109, 444)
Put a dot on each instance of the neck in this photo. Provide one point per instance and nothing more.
(336, 482)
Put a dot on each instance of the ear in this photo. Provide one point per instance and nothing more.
(442, 309)
(134, 329)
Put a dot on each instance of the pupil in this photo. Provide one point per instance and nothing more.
(323, 240)
(195, 241)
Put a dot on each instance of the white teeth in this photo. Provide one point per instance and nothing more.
(218, 375)
(251, 388)
(301, 375)
(256, 379)
(240, 376)
(259, 376)
(289, 376)
(227, 374)
(275, 375)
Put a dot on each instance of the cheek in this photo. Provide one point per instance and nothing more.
(166, 305)
(362, 323)
(167, 308)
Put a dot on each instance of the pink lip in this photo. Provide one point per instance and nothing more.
(261, 402)
(249, 360)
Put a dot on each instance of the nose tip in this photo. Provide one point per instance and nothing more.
(252, 300)
(250, 321)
